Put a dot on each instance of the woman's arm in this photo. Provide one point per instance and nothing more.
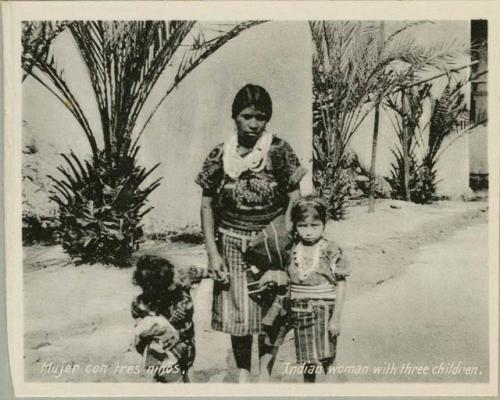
(339, 304)
(215, 261)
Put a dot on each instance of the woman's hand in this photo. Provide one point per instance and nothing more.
(215, 263)
(216, 269)
(334, 326)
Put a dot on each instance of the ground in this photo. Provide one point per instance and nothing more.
(417, 305)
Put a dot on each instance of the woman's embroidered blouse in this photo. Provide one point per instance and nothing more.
(254, 199)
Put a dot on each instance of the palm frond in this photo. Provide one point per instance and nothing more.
(47, 68)
(36, 39)
(407, 26)
(448, 108)
(195, 55)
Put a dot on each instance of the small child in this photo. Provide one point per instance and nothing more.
(164, 317)
(318, 272)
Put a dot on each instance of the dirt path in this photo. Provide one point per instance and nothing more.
(433, 316)
(385, 258)
(407, 260)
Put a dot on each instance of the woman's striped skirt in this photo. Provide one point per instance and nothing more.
(310, 319)
(233, 311)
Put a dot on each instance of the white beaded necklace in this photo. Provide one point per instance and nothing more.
(305, 269)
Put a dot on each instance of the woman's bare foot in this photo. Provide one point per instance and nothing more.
(265, 363)
(244, 376)
(264, 376)
(187, 377)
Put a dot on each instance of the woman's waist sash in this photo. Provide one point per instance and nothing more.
(244, 236)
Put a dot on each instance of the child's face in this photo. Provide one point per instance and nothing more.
(310, 230)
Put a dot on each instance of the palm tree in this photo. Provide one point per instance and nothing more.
(102, 199)
(408, 107)
(352, 70)
(418, 180)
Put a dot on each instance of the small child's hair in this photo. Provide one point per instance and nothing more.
(306, 206)
(153, 274)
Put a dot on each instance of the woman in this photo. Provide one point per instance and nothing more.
(247, 182)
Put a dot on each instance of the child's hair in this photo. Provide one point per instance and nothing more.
(153, 274)
(313, 206)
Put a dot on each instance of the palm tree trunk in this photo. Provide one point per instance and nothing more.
(406, 165)
(371, 199)
(406, 162)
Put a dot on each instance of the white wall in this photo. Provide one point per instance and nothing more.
(197, 115)
(478, 146)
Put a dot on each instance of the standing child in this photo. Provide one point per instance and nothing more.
(318, 272)
(164, 318)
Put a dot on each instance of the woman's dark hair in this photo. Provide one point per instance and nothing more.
(308, 206)
(153, 274)
(252, 95)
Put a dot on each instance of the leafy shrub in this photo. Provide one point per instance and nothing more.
(334, 182)
(396, 176)
(423, 189)
(478, 181)
(361, 180)
(421, 183)
(37, 229)
(101, 207)
(191, 234)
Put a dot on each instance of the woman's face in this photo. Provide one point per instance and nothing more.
(251, 123)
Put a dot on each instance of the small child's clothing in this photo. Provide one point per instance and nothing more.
(158, 341)
(177, 335)
(310, 319)
(331, 267)
(313, 285)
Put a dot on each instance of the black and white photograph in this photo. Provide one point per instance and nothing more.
(273, 205)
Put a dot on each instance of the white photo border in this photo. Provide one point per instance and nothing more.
(15, 12)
